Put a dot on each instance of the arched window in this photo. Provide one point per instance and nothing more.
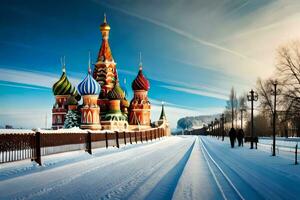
(89, 117)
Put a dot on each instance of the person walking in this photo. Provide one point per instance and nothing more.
(240, 137)
(232, 137)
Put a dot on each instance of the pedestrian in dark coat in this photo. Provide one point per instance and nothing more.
(240, 137)
(232, 137)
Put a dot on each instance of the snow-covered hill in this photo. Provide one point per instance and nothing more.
(196, 121)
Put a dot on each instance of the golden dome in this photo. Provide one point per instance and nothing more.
(104, 26)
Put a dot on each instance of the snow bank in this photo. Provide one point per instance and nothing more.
(16, 131)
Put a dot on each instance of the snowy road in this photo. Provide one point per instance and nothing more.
(254, 173)
(174, 168)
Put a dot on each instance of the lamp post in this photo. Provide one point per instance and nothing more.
(252, 96)
(274, 92)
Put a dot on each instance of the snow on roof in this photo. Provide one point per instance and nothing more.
(16, 131)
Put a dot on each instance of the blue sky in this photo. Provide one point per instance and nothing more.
(193, 51)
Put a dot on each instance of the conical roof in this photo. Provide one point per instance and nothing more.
(162, 114)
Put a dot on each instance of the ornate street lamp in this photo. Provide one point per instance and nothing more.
(252, 96)
(274, 92)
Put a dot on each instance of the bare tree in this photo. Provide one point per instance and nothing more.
(231, 106)
(242, 108)
(288, 71)
(264, 89)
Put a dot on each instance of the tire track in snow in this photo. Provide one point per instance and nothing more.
(165, 188)
(82, 168)
(196, 181)
(217, 172)
(137, 186)
(252, 181)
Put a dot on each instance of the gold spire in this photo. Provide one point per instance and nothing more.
(104, 26)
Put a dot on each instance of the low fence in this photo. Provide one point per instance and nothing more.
(289, 150)
(21, 146)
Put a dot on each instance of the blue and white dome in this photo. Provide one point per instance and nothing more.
(89, 86)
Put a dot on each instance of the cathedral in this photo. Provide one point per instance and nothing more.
(104, 101)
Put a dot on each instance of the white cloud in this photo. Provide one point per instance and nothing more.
(22, 86)
(176, 30)
(32, 78)
(196, 92)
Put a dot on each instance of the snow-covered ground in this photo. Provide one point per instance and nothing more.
(285, 147)
(183, 167)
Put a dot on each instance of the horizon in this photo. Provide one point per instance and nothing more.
(191, 66)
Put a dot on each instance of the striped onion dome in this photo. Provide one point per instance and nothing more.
(89, 86)
(64, 87)
(116, 92)
(140, 82)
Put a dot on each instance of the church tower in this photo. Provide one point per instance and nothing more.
(62, 90)
(140, 106)
(89, 88)
(105, 67)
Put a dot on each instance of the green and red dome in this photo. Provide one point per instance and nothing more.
(64, 87)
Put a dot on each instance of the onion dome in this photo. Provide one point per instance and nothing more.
(104, 26)
(64, 87)
(105, 51)
(72, 101)
(140, 82)
(116, 92)
(89, 86)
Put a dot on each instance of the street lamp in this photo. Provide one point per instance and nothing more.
(274, 92)
(252, 96)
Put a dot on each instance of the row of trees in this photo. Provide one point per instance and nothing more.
(286, 86)
(278, 98)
